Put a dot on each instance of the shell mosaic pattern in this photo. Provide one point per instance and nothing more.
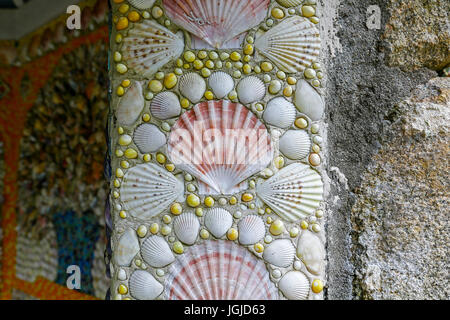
(186, 224)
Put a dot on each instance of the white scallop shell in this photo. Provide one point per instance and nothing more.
(130, 105)
(186, 227)
(148, 138)
(290, 3)
(295, 144)
(294, 285)
(165, 105)
(294, 192)
(218, 221)
(251, 89)
(251, 230)
(127, 248)
(279, 113)
(292, 45)
(142, 4)
(280, 253)
(308, 101)
(143, 286)
(310, 249)
(148, 189)
(221, 84)
(192, 86)
(149, 46)
(156, 252)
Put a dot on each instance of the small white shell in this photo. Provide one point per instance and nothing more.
(280, 253)
(156, 252)
(221, 84)
(148, 138)
(192, 86)
(308, 101)
(251, 230)
(251, 89)
(143, 286)
(142, 4)
(310, 249)
(127, 248)
(186, 228)
(280, 113)
(218, 221)
(295, 144)
(130, 105)
(294, 285)
(165, 105)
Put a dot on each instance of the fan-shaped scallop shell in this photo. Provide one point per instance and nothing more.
(293, 193)
(186, 227)
(216, 22)
(290, 3)
(156, 252)
(143, 286)
(130, 105)
(165, 105)
(142, 4)
(148, 189)
(310, 249)
(280, 253)
(235, 145)
(148, 138)
(294, 285)
(292, 45)
(221, 84)
(251, 230)
(308, 101)
(218, 221)
(251, 89)
(192, 86)
(218, 270)
(295, 144)
(127, 248)
(149, 46)
(279, 113)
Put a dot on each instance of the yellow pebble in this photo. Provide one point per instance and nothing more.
(316, 148)
(178, 247)
(120, 91)
(122, 23)
(301, 123)
(232, 95)
(266, 66)
(232, 234)
(209, 64)
(209, 95)
(185, 103)
(198, 64)
(308, 11)
(268, 210)
(120, 130)
(126, 83)
(189, 56)
(179, 63)
(279, 162)
(247, 197)
(161, 158)
(314, 20)
(199, 212)
(154, 228)
(259, 247)
(187, 66)
(209, 202)
(155, 86)
(142, 231)
(206, 72)
(247, 58)
(123, 214)
(134, 16)
(157, 12)
(121, 68)
(291, 80)
(119, 173)
(147, 157)
(117, 56)
(117, 183)
(123, 289)
(146, 117)
(125, 164)
(317, 286)
(167, 219)
(304, 225)
(269, 220)
(204, 234)
(314, 159)
(118, 38)
(125, 140)
(277, 227)
(287, 91)
(124, 8)
(176, 209)
(233, 200)
(170, 167)
(235, 56)
(131, 153)
(170, 80)
(277, 13)
(202, 54)
(166, 230)
(193, 200)
(248, 49)
(247, 69)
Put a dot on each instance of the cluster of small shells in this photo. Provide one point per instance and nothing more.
(176, 216)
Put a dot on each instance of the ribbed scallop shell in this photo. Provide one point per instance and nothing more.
(308, 101)
(310, 249)
(294, 285)
(148, 138)
(142, 4)
(130, 105)
(192, 86)
(149, 46)
(251, 230)
(293, 193)
(235, 145)
(292, 45)
(295, 144)
(290, 3)
(127, 248)
(221, 84)
(216, 22)
(279, 113)
(186, 227)
(165, 105)
(251, 89)
(143, 286)
(218, 221)
(148, 189)
(156, 252)
(218, 270)
(280, 253)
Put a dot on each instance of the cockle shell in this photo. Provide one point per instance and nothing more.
(308, 101)
(192, 86)
(280, 253)
(216, 22)
(148, 189)
(295, 144)
(149, 46)
(186, 227)
(156, 252)
(310, 249)
(293, 193)
(218, 221)
(148, 138)
(130, 105)
(143, 286)
(279, 113)
(221, 143)
(218, 270)
(292, 45)
(294, 285)
(251, 230)
(290, 3)
(127, 248)
(221, 84)
(251, 89)
(142, 4)
(165, 105)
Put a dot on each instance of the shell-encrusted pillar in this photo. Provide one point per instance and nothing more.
(216, 148)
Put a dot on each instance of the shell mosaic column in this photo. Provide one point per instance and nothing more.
(215, 142)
